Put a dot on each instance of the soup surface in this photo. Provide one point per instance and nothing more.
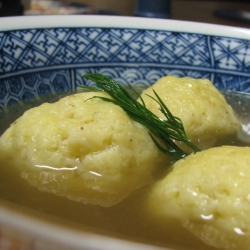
(127, 219)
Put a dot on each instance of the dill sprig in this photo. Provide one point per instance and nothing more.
(169, 130)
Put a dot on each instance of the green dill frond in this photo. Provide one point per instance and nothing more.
(168, 131)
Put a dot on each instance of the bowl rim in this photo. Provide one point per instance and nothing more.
(130, 22)
(53, 231)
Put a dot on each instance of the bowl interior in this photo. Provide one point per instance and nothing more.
(52, 55)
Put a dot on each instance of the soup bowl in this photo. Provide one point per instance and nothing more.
(50, 54)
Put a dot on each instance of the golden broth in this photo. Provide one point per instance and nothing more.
(128, 219)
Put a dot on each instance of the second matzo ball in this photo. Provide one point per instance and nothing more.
(86, 150)
(206, 116)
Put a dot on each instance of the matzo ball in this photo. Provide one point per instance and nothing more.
(206, 116)
(209, 192)
(88, 151)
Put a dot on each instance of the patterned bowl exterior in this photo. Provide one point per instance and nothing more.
(36, 61)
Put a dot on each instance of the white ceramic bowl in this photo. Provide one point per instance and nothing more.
(49, 54)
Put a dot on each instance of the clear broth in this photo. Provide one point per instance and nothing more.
(128, 219)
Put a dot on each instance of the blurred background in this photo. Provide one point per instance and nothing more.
(233, 13)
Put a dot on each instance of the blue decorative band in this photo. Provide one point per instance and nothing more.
(39, 61)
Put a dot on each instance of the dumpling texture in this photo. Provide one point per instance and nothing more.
(209, 192)
(88, 151)
(206, 116)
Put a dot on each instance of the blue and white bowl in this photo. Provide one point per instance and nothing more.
(49, 54)
(40, 55)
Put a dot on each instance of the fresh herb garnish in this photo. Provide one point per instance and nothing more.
(169, 130)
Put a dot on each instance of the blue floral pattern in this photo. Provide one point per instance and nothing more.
(39, 61)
